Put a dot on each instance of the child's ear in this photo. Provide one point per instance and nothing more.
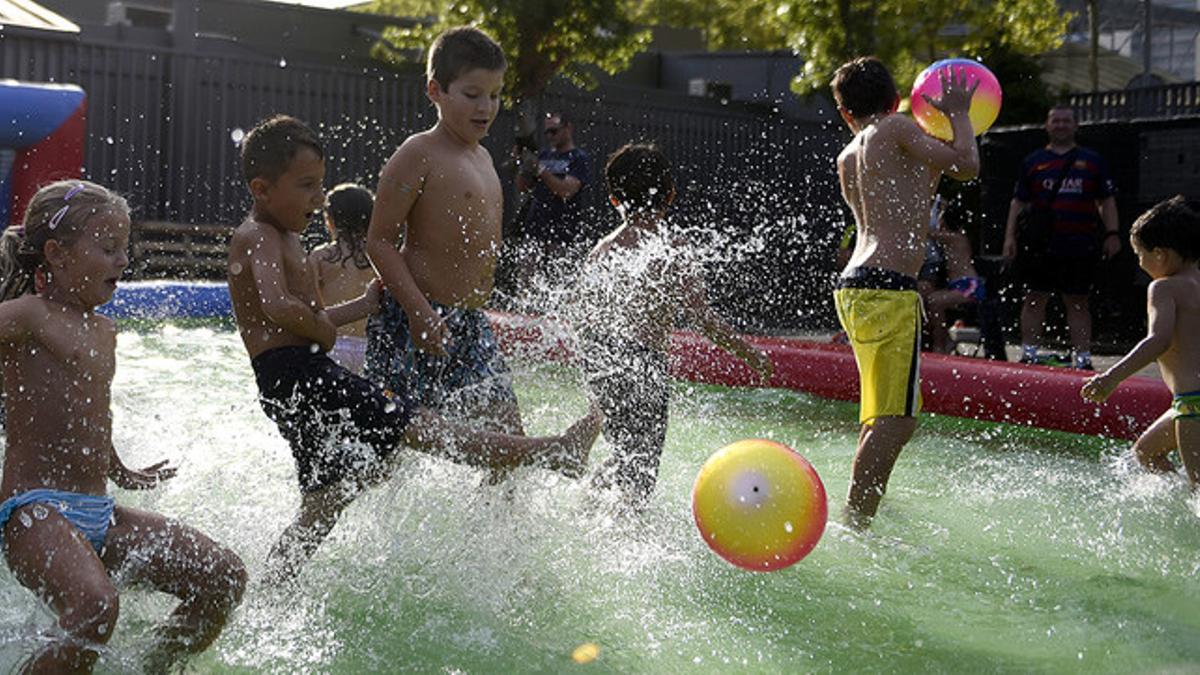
(258, 188)
(614, 201)
(54, 253)
(895, 104)
(846, 117)
(433, 90)
(671, 197)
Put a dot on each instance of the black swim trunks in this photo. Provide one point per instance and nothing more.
(630, 383)
(340, 427)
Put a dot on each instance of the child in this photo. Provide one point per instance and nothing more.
(888, 174)
(439, 194)
(63, 536)
(341, 267)
(342, 430)
(634, 285)
(1166, 240)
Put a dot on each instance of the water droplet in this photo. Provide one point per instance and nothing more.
(40, 511)
(237, 135)
(25, 519)
(787, 527)
(283, 63)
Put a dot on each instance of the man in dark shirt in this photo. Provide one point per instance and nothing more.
(1067, 265)
(552, 229)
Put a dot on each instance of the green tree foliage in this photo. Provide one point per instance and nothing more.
(906, 34)
(541, 38)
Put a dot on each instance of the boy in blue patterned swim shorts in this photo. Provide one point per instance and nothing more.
(434, 239)
(1167, 242)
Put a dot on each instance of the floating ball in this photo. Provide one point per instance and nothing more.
(759, 505)
(985, 105)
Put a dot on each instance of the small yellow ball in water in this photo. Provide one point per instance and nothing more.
(586, 652)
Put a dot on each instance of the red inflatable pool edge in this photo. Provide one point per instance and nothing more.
(993, 391)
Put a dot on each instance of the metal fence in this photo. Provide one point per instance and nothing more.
(1172, 100)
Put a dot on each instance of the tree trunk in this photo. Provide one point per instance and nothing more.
(1093, 15)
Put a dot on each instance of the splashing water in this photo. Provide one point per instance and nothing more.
(996, 548)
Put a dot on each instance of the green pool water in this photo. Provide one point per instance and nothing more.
(998, 549)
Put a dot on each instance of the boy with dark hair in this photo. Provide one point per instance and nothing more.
(342, 430)
(434, 239)
(889, 172)
(636, 283)
(1167, 242)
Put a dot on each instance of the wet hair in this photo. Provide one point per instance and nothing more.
(460, 49)
(268, 149)
(59, 211)
(1170, 224)
(639, 177)
(349, 209)
(864, 87)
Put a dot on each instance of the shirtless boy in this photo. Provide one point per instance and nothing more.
(888, 174)
(342, 430)
(440, 195)
(1166, 240)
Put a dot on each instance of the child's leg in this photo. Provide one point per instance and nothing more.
(1187, 433)
(635, 407)
(1152, 447)
(208, 578)
(319, 512)
(567, 454)
(54, 560)
(879, 445)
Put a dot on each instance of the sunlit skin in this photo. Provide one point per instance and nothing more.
(440, 192)
(340, 281)
(888, 174)
(59, 360)
(1173, 316)
(271, 283)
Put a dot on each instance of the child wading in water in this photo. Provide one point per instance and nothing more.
(636, 284)
(1166, 240)
(63, 536)
(343, 431)
(341, 267)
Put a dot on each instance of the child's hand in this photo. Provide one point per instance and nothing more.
(1098, 388)
(143, 479)
(956, 96)
(429, 333)
(373, 295)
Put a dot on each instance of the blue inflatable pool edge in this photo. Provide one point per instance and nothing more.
(169, 300)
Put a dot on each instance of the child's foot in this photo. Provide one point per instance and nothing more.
(570, 457)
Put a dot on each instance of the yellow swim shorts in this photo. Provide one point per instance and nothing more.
(882, 318)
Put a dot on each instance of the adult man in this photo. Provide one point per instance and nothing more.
(1067, 264)
(552, 230)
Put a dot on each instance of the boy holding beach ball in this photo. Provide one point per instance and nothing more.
(889, 172)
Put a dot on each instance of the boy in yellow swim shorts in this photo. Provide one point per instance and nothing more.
(1166, 240)
(888, 174)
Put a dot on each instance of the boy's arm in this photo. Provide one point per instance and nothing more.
(278, 304)
(400, 185)
(701, 315)
(358, 308)
(1161, 310)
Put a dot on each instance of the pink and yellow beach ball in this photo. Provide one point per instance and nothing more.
(985, 105)
(759, 505)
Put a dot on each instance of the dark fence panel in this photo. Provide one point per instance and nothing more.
(1172, 100)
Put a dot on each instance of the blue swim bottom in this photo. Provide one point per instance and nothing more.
(90, 514)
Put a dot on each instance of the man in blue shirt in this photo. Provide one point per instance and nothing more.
(553, 232)
(1067, 265)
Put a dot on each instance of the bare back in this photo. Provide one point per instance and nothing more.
(57, 390)
(1180, 364)
(340, 281)
(452, 234)
(256, 244)
(628, 287)
(889, 189)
